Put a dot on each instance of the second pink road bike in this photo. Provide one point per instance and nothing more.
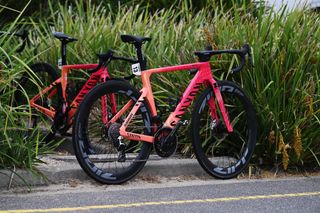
(223, 124)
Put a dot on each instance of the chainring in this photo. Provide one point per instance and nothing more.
(164, 144)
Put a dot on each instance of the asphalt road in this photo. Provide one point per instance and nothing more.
(285, 195)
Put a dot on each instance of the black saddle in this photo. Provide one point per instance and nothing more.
(134, 39)
(63, 37)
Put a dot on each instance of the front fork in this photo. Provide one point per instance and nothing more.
(213, 108)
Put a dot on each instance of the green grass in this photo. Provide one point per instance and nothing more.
(17, 148)
(284, 84)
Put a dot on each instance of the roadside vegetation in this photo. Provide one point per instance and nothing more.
(16, 149)
(284, 84)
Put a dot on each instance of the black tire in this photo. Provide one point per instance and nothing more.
(221, 154)
(29, 85)
(96, 153)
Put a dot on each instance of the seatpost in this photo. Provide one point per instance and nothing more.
(142, 60)
(63, 53)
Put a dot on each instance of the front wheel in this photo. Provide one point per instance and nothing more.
(220, 153)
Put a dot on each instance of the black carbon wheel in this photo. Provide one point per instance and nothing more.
(96, 144)
(222, 154)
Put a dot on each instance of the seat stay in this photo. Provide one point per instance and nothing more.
(134, 110)
(121, 111)
(49, 112)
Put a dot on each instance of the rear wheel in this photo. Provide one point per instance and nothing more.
(29, 86)
(97, 148)
(222, 154)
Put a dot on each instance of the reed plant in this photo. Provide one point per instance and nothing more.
(283, 85)
(19, 147)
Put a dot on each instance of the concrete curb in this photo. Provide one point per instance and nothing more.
(60, 169)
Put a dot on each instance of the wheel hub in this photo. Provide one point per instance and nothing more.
(114, 133)
(219, 131)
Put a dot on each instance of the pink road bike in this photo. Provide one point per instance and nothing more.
(223, 126)
(54, 106)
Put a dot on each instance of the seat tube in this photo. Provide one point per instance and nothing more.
(104, 110)
(104, 107)
(104, 74)
(64, 81)
(104, 100)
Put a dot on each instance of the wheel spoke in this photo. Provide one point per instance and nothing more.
(111, 156)
(221, 153)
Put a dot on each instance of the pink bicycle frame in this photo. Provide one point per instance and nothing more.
(203, 76)
(101, 75)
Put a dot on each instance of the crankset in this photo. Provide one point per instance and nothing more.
(165, 143)
(60, 120)
(165, 140)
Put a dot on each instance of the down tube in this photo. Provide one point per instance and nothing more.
(185, 102)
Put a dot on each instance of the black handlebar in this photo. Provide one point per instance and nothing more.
(206, 54)
(242, 53)
(105, 58)
(23, 35)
